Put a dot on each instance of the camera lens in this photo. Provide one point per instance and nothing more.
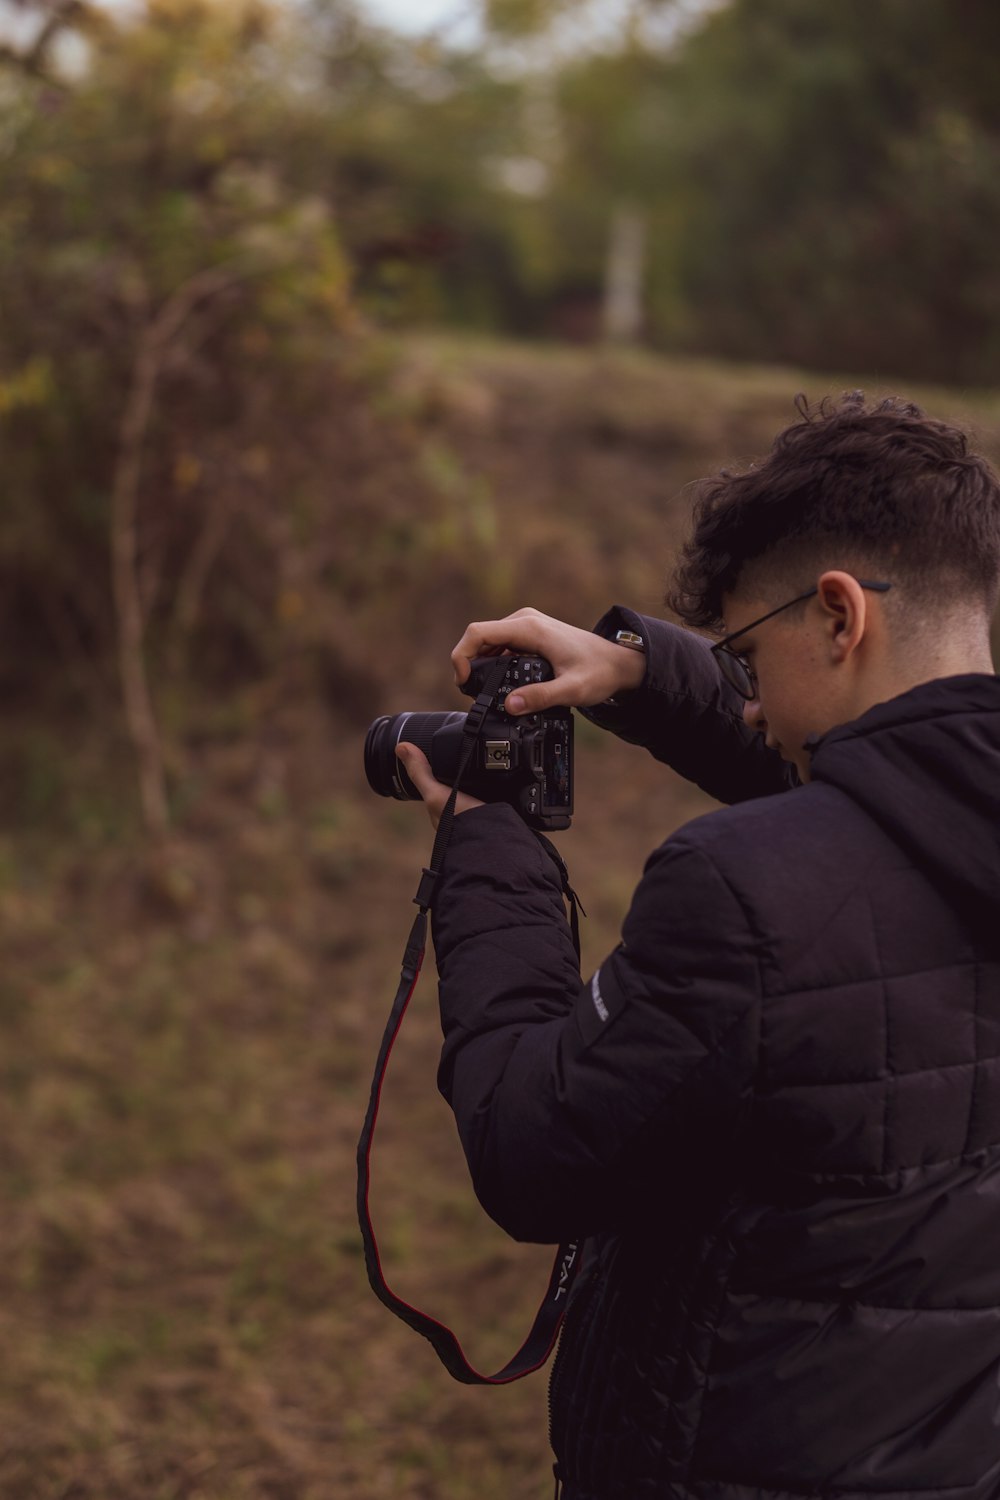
(439, 736)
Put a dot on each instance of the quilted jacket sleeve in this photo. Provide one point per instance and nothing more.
(685, 715)
(577, 1104)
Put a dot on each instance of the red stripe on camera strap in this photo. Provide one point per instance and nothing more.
(542, 1337)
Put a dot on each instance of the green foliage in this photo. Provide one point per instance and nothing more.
(818, 183)
(235, 194)
(177, 210)
(155, 181)
(520, 18)
(848, 193)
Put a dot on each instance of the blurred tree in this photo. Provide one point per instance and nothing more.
(839, 168)
(779, 179)
(199, 197)
(170, 300)
(412, 155)
(615, 112)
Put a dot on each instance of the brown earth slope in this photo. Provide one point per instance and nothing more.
(184, 1311)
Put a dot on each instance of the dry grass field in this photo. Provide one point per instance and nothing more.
(183, 1308)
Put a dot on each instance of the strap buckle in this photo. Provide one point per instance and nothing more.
(425, 890)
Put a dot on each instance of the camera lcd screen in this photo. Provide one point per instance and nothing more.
(558, 750)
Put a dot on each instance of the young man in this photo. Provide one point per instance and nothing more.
(775, 1109)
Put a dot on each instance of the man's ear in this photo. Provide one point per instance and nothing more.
(845, 608)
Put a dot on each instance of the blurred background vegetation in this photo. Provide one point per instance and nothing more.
(319, 336)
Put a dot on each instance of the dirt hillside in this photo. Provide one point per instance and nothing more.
(184, 1309)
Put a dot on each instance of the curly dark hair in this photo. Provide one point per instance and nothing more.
(879, 486)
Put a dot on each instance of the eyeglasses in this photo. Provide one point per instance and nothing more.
(736, 669)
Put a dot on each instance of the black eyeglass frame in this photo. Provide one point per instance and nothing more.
(736, 670)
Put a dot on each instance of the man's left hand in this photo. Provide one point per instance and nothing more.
(434, 792)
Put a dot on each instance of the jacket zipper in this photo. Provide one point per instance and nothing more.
(574, 1313)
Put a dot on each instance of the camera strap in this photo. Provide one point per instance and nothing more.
(542, 1337)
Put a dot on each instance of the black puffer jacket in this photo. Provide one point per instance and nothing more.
(775, 1109)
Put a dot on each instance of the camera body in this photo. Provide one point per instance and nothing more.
(532, 752)
(526, 760)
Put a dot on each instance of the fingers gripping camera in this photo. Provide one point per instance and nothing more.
(526, 761)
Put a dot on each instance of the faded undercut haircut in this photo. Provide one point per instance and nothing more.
(878, 489)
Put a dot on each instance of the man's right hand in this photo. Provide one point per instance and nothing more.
(588, 669)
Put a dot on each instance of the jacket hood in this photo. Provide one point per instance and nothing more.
(925, 766)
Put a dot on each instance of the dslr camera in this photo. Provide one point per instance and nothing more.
(526, 761)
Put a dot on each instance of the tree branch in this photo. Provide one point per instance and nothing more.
(153, 343)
